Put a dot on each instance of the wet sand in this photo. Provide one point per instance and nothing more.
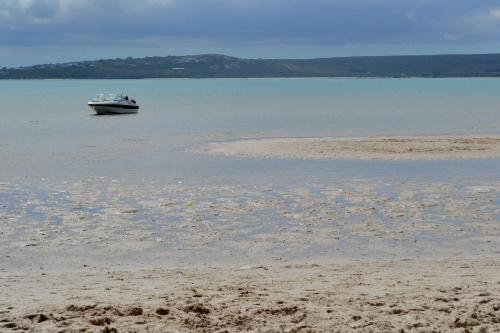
(65, 224)
(384, 148)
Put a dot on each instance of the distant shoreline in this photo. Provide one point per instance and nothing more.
(222, 66)
(253, 78)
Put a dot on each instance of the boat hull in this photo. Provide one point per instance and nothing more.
(114, 109)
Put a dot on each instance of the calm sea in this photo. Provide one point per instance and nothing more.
(46, 129)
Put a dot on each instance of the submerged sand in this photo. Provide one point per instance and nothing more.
(388, 296)
(384, 148)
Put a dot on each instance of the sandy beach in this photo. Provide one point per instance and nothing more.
(387, 296)
(385, 148)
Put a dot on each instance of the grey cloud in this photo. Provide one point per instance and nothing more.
(156, 23)
(43, 9)
(338, 22)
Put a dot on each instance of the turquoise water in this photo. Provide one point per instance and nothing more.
(268, 106)
(46, 128)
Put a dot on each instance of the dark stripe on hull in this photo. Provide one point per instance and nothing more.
(112, 110)
(115, 112)
(117, 106)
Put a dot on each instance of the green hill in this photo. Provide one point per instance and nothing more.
(221, 66)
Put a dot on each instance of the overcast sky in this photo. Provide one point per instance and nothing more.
(42, 31)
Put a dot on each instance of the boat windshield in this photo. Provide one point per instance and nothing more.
(107, 97)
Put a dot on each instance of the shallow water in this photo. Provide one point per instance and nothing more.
(128, 188)
(46, 128)
(109, 222)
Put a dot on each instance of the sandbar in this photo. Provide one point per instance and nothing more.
(366, 148)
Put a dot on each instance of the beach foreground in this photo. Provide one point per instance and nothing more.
(452, 295)
(385, 148)
(102, 255)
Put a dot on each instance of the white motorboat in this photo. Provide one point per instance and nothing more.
(113, 104)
